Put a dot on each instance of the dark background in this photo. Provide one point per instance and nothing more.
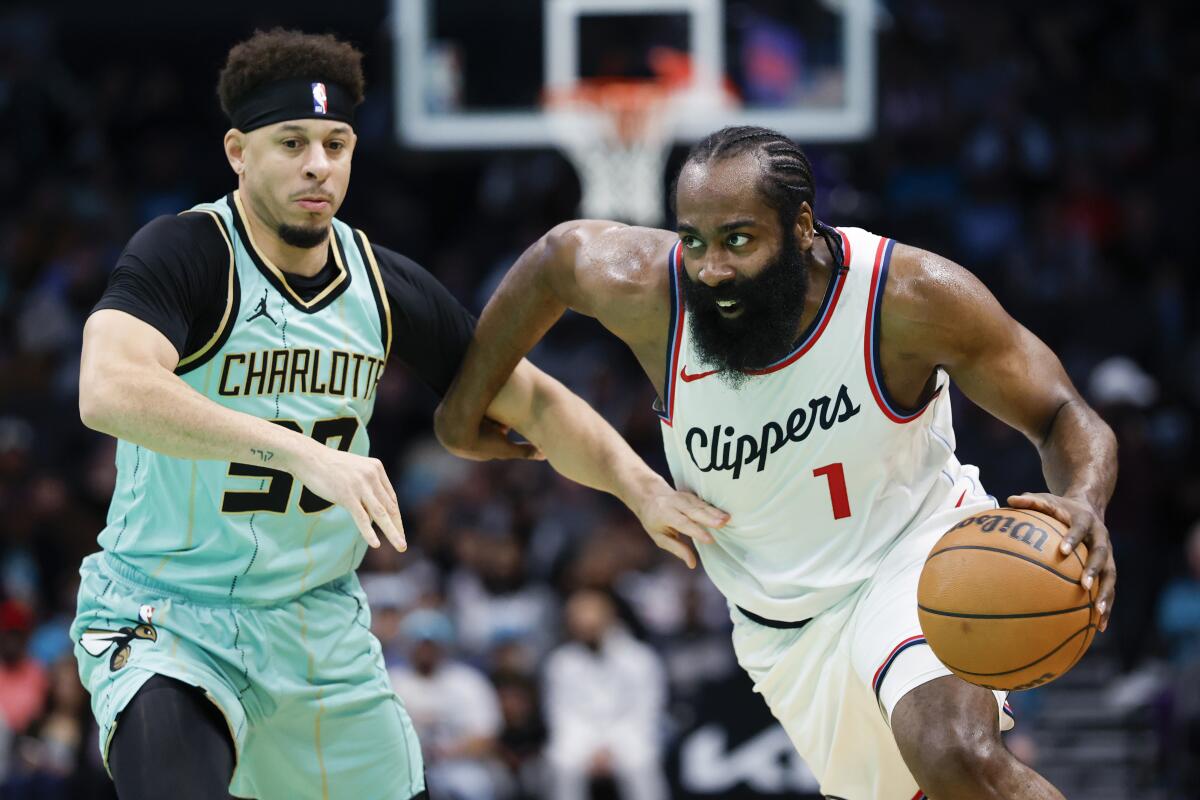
(1049, 147)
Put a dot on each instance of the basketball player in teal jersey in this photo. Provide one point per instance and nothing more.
(221, 631)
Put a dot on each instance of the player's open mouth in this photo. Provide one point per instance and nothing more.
(729, 308)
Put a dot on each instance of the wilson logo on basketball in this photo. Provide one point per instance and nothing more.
(722, 449)
(1026, 532)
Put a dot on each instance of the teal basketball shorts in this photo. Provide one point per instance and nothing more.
(301, 684)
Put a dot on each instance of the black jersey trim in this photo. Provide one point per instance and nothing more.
(893, 410)
(378, 290)
(664, 407)
(232, 302)
(275, 276)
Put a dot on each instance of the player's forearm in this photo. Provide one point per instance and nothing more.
(1079, 455)
(154, 408)
(518, 315)
(583, 447)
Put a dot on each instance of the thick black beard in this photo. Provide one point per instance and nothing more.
(307, 238)
(767, 328)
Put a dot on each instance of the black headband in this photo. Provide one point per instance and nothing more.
(295, 98)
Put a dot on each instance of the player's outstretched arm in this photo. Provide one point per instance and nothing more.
(605, 270)
(582, 446)
(128, 389)
(944, 316)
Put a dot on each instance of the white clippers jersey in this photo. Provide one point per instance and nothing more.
(819, 469)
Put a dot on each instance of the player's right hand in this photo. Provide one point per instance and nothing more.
(358, 484)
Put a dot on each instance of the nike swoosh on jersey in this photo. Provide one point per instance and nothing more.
(683, 373)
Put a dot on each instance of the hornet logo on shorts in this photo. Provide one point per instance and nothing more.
(320, 99)
(97, 641)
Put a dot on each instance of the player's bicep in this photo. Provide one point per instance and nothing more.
(118, 349)
(114, 339)
(1018, 380)
(615, 273)
(997, 363)
(569, 262)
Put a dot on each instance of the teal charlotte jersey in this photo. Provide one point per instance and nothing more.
(245, 532)
(233, 577)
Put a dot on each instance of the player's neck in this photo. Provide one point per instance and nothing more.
(820, 273)
(303, 261)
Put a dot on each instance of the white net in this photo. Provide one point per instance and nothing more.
(618, 138)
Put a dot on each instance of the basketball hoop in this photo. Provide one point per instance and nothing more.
(617, 134)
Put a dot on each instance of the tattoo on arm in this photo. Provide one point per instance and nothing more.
(264, 455)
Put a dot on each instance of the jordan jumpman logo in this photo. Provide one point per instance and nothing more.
(261, 311)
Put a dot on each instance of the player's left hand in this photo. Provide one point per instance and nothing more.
(669, 516)
(1084, 524)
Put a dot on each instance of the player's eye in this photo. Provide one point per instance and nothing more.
(291, 144)
(336, 145)
(691, 242)
(738, 239)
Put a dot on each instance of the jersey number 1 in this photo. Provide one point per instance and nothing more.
(273, 498)
(837, 488)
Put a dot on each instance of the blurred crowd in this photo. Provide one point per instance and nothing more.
(544, 647)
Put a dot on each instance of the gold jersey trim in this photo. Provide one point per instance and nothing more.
(381, 295)
(229, 294)
(278, 273)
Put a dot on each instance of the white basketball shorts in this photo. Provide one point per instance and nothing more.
(834, 683)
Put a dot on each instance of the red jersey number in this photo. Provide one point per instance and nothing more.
(836, 477)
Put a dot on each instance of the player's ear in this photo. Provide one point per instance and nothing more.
(235, 150)
(804, 226)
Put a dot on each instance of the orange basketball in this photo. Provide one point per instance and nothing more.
(1000, 604)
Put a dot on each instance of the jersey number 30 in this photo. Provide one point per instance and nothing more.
(273, 497)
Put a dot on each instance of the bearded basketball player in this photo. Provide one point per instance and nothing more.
(802, 373)
(222, 633)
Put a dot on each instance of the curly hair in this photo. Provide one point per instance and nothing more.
(279, 54)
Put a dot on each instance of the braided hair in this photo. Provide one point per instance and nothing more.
(786, 181)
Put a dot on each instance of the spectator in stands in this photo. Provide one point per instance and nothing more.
(1179, 622)
(47, 757)
(454, 709)
(491, 595)
(605, 697)
(23, 681)
(1179, 610)
(523, 736)
(5, 750)
(695, 655)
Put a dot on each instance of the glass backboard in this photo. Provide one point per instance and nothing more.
(474, 73)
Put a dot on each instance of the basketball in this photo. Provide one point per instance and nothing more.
(1000, 604)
